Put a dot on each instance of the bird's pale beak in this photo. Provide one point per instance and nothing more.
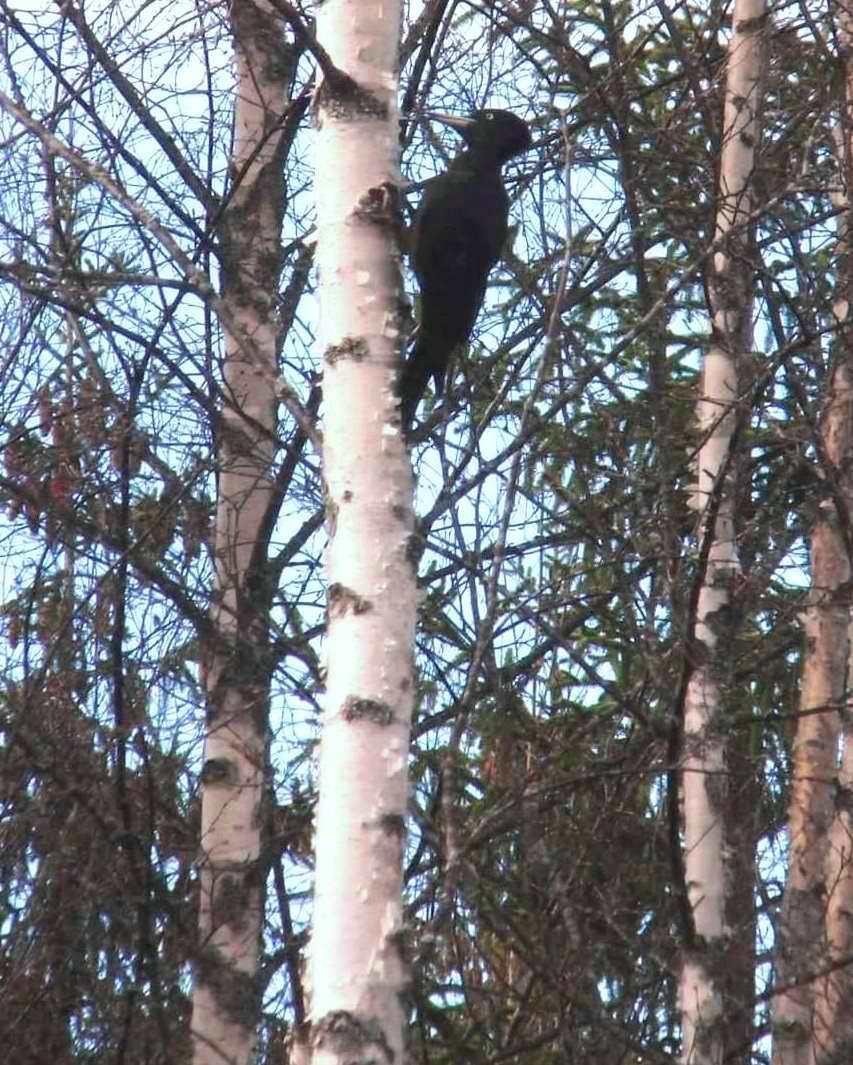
(456, 121)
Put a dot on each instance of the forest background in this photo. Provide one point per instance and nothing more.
(596, 638)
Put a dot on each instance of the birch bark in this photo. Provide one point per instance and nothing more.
(357, 969)
(237, 664)
(703, 765)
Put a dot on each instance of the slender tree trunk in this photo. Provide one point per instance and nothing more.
(813, 1017)
(833, 1011)
(704, 763)
(814, 756)
(238, 665)
(743, 813)
(357, 970)
(834, 998)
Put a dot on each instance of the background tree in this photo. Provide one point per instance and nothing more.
(809, 1022)
(559, 561)
(237, 653)
(706, 973)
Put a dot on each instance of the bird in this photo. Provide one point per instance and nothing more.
(459, 231)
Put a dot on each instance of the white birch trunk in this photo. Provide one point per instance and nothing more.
(237, 673)
(357, 969)
(703, 764)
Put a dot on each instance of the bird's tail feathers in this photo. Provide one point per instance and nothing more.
(430, 358)
(413, 381)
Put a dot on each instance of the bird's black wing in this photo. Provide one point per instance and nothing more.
(452, 263)
(452, 266)
(459, 232)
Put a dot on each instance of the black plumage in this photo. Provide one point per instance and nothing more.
(460, 229)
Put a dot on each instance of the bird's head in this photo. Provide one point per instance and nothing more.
(492, 132)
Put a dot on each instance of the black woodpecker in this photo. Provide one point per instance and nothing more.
(459, 232)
